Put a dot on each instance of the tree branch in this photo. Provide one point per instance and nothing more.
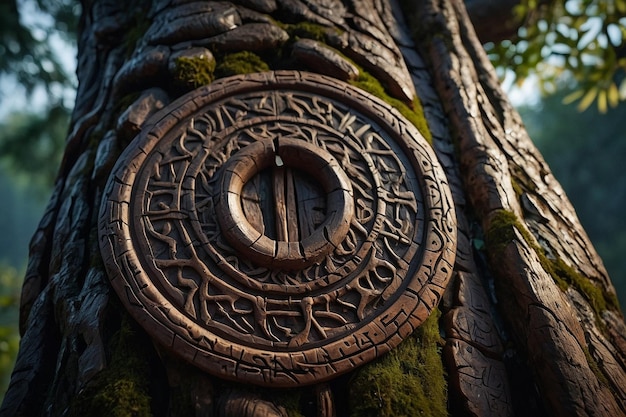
(493, 20)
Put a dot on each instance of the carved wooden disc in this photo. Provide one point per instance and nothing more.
(278, 228)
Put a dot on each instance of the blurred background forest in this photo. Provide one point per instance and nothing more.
(572, 51)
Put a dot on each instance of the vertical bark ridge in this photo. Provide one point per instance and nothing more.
(478, 380)
(528, 164)
(550, 216)
(542, 317)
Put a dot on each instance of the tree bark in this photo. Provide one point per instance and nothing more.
(530, 324)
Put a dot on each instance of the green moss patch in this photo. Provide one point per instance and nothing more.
(244, 62)
(502, 232)
(121, 389)
(307, 30)
(414, 113)
(595, 368)
(517, 187)
(521, 181)
(408, 381)
(365, 81)
(599, 299)
(195, 71)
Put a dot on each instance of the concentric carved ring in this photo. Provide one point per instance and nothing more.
(316, 162)
(278, 228)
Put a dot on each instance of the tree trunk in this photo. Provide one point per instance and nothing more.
(528, 318)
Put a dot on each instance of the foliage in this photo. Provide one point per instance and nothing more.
(408, 381)
(31, 35)
(21, 209)
(581, 41)
(10, 284)
(25, 47)
(31, 144)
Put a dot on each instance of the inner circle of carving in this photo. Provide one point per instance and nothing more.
(285, 254)
(278, 228)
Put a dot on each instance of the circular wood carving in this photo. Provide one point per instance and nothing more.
(278, 228)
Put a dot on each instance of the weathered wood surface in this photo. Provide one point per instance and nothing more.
(516, 342)
(271, 305)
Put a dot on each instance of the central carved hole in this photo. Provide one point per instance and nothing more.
(284, 203)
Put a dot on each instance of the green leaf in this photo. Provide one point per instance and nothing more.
(602, 101)
(622, 90)
(572, 97)
(587, 37)
(613, 95)
(589, 97)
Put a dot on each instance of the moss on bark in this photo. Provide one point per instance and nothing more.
(122, 388)
(502, 232)
(195, 71)
(307, 30)
(245, 62)
(408, 381)
(414, 113)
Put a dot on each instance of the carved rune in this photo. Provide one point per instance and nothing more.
(278, 228)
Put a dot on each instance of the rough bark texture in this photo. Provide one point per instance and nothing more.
(534, 242)
(530, 321)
